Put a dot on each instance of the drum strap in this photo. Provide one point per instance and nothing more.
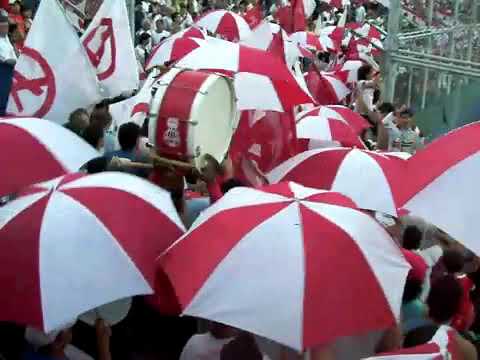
(174, 113)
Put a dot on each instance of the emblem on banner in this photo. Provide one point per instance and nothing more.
(44, 85)
(100, 37)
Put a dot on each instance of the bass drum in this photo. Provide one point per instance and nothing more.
(192, 113)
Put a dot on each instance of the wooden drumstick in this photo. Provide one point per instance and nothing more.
(170, 162)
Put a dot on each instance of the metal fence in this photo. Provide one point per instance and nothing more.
(432, 62)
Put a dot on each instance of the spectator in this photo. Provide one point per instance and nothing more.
(94, 134)
(454, 262)
(7, 51)
(160, 33)
(368, 79)
(103, 119)
(407, 140)
(78, 121)
(27, 14)
(142, 50)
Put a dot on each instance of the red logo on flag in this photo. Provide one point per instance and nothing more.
(37, 86)
(96, 56)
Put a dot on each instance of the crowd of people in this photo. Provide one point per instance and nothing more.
(442, 286)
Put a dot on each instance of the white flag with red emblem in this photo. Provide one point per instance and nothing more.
(53, 76)
(109, 47)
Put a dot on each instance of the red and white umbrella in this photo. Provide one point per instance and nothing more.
(77, 242)
(336, 34)
(366, 34)
(312, 41)
(171, 50)
(326, 88)
(272, 38)
(443, 186)
(441, 347)
(348, 71)
(354, 119)
(263, 260)
(168, 50)
(227, 24)
(38, 150)
(327, 130)
(370, 179)
(262, 81)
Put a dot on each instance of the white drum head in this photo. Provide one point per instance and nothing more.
(214, 112)
(111, 313)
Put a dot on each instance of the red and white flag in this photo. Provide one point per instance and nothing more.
(136, 108)
(51, 81)
(109, 47)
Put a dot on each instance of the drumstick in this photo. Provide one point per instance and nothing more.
(137, 165)
(176, 163)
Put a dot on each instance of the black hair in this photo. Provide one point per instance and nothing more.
(143, 37)
(128, 135)
(419, 336)
(453, 260)
(444, 298)
(230, 184)
(97, 165)
(376, 96)
(386, 108)
(363, 72)
(144, 130)
(413, 289)
(93, 134)
(412, 237)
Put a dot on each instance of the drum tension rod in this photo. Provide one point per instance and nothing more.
(155, 115)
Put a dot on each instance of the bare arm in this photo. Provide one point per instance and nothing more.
(391, 340)
(466, 348)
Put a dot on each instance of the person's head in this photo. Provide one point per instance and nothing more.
(453, 260)
(27, 13)
(230, 184)
(221, 331)
(97, 165)
(78, 121)
(144, 39)
(365, 72)
(404, 118)
(412, 237)
(16, 8)
(4, 26)
(159, 25)
(241, 348)
(146, 25)
(94, 134)
(102, 118)
(444, 299)
(128, 135)
(419, 336)
(384, 109)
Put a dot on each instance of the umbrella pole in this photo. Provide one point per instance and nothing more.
(306, 355)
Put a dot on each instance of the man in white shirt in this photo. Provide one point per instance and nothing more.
(160, 33)
(7, 51)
